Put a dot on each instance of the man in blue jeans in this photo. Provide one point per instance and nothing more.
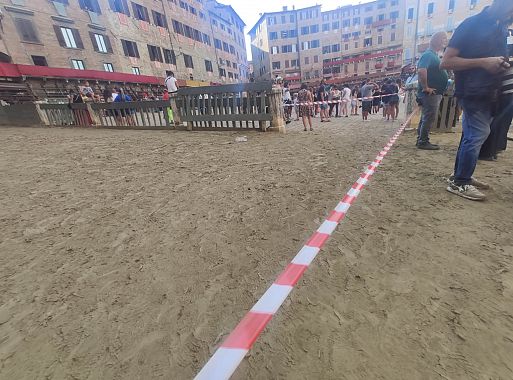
(432, 85)
(477, 53)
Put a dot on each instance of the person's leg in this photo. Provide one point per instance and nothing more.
(337, 105)
(508, 118)
(310, 123)
(430, 106)
(476, 128)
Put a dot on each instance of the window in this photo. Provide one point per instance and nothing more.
(271, 20)
(169, 56)
(101, 43)
(283, 19)
(473, 4)
(206, 39)
(356, 45)
(193, 10)
(178, 27)
(276, 65)
(392, 36)
(410, 13)
(26, 30)
(273, 36)
(120, 6)
(355, 68)
(305, 30)
(222, 72)
(325, 27)
(307, 60)
(68, 37)
(367, 42)
(382, 5)
(90, 5)
(325, 17)
(275, 50)
(346, 47)
(184, 5)
(140, 12)
(188, 61)
(356, 21)
(159, 19)
(155, 53)
(381, 17)
(284, 34)
(294, 63)
(335, 25)
(335, 48)
(39, 60)
(223, 27)
(451, 5)
(130, 49)
(218, 44)
(292, 18)
(108, 67)
(394, 15)
(367, 21)
(77, 64)
(380, 40)
(226, 48)
(326, 49)
(208, 66)
(314, 28)
(346, 23)
(394, 3)
(316, 59)
(315, 44)
(136, 71)
(286, 49)
(368, 8)
(431, 9)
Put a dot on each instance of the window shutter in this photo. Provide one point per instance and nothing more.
(154, 14)
(125, 48)
(78, 40)
(112, 5)
(134, 9)
(146, 14)
(150, 53)
(60, 37)
(125, 7)
(136, 50)
(108, 44)
(159, 53)
(93, 40)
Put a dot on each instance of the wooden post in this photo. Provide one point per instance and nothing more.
(277, 112)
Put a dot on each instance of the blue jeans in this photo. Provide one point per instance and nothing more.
(477, 117)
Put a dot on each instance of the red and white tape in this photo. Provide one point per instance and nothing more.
(368, 98)
(228, 356)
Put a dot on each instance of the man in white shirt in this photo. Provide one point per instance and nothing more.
(172, 88)
(287, 100)
(171, 83)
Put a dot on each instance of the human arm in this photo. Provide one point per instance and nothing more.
(423, 81)
(452, 61)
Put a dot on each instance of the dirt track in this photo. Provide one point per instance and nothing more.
(130, 255)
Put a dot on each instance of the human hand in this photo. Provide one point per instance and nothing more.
(495, 65)
(429, 91)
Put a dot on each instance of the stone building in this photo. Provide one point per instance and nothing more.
(200, 40)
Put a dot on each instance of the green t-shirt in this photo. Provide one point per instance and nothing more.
(436, 77)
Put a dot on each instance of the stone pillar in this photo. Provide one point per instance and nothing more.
(277, 112)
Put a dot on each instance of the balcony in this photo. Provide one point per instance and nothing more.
(391, 64)
(377, 24)
(378, 66)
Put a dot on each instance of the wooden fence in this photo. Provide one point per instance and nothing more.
(248, 106)
(232, 107)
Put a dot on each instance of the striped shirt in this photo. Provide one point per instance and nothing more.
(507, 82)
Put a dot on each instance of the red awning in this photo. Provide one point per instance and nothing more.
(13, 71)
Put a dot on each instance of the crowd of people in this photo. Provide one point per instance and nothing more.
(327, 101)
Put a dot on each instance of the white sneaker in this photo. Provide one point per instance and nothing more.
(474, 182)
(466, 191)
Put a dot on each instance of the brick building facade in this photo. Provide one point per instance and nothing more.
(353, 42)
(200, 40)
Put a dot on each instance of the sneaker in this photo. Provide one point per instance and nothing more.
(466, 191)
(474, 182)
(428, 146)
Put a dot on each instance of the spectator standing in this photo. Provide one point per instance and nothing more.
(432, 85)
(498, 139)
(296, 106)
(172, 87)
(124, 116)
(346, 101)
(476, 53)
(335, 98)
(287, 101)
(322, 96)
(305, 99)
(366, 91)
(354, 102)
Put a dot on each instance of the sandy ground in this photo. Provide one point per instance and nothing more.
(132, 254)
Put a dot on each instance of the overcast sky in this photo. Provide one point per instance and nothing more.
(249, 10)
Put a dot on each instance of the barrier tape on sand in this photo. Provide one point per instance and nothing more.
(228, 356)
(368, 98)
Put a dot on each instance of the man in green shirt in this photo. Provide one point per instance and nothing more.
(432, 85)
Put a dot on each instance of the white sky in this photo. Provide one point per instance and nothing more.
(249, 10)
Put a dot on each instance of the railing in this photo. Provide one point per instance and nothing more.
(147, 114)
(238, 106)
